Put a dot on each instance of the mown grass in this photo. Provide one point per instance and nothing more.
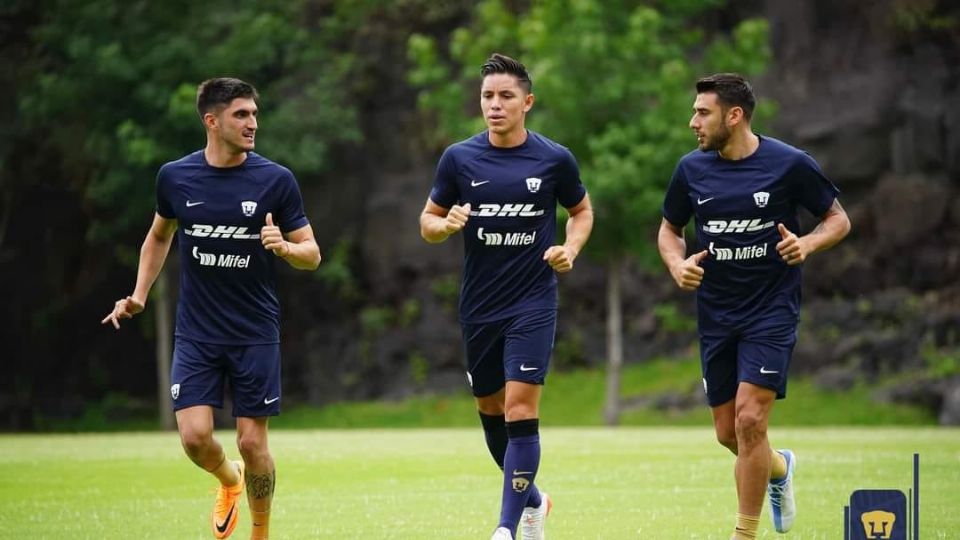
(423, 484)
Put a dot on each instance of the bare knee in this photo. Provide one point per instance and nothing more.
(253, 448)
(491, 405)
(520, 411)
(196, 441)
(728, 439)
(751, 427)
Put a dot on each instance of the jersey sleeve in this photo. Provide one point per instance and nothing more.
(676, 202)
(813, 189)
(164, 203)
(445, 191)
(570, 190)
(290, 215)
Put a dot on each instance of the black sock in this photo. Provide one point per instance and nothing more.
(495, 431)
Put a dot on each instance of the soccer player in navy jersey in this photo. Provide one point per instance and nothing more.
(743, 191)
(501, 188)
(236, 213)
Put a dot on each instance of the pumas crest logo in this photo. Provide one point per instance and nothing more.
(520, 484)
(761, 198)
(248, 207)
(533, 184)
(175, 391)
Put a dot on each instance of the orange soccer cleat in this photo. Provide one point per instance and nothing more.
(226, 510)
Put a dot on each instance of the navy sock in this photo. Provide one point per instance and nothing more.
(495, 431)
(519, 469)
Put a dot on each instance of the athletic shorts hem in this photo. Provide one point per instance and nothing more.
(541, 381)
(180, 406)
(766, 384)
(259, 414)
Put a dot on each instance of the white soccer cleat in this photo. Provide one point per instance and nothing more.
(533, 519)
(502, 533)
(783, 507)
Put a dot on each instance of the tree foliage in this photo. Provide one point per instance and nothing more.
(116, 87)
(614, 83)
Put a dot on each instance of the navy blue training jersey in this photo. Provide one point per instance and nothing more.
(227, 279)
(737, 206)
(513, 195)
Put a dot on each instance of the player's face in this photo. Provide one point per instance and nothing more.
(504, 103)
(709, 123)
(237, 124)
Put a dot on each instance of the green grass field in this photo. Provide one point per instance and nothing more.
(648, 483)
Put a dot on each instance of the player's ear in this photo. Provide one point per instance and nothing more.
(528, 102)
(209, 120)
(734, 116)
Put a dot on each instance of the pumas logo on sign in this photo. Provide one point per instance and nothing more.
(220, 231)
(248, 207)
(877, 514)
(506, 210)
(718, 226)
(222, 261)
(758, 251)
(533, 184)
(507, 239)
(761, 198)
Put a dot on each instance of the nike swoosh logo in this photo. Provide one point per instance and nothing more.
(525, 368)
(474, 183)
(764, 371)
(518, 473)
(223, 527)
(699, 201)
(194, 203)
(269, 401)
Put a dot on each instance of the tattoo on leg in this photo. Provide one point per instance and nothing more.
(260, 486)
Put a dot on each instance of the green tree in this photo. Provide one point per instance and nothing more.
(614, 83)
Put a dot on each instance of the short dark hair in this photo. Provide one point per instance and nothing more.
(219, 92)
(732, 91)
(499, 63)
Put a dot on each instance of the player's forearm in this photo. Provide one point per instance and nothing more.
(433, 228)
(829, 232)
(578, 230)
(672, 247)
(153, 253)
(304, 255)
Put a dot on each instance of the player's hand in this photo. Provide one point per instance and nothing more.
(125, 308)
(272, 238)
(457, 218)
(689, 274)
(791, 248)
(560, 258)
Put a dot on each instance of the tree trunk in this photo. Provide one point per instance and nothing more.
(164, 336)
(611, 411)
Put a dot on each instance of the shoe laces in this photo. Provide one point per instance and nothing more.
(777, 491)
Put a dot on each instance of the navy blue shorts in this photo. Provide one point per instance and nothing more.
(513, 349)
(760, 356)
(199, 370)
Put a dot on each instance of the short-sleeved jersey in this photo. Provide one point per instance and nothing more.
(737, 206)
(513, 195)
(227, 279)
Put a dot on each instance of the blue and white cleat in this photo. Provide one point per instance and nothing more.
(783, 507)
(533, 518)
(502, 533)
